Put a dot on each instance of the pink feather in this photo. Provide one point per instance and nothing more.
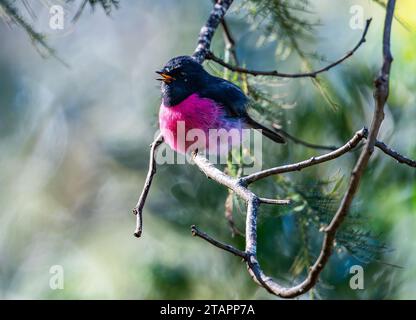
(189, 124)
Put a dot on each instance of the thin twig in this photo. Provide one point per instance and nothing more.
(394, 154)
(276, 73)
(303, 142)
(275, 201)
(223, 246)
(379, 144)
(229, 40)
(138, 209)
(351, 144)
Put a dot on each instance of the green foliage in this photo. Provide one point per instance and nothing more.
(106, 5)
(290, 22)
(282, 17)
(167, 279)
(12, 13)
(263, 103)
(317, 206)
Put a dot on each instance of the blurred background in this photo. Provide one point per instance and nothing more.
(74, 139)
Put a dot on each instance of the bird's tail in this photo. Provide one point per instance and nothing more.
(272, 135)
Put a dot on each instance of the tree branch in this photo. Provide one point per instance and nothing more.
(229, 41)
(276, 73)
(302, 142)
(381, 92)
(250, 253)
(228, 38)
(394, 154)
(138, 209)
(223, 246)
(253, 202)
(208, 30)
(274, 201)
(379, 144)
(239, 186)
(351, 144)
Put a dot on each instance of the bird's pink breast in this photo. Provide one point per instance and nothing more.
(183, 125)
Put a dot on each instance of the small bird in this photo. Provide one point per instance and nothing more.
(196, 102)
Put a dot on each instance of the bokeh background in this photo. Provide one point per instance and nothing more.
(74, 150)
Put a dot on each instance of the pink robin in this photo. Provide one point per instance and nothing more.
(196, 104)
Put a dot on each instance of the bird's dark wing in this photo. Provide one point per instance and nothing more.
(235, 103)
(227, 94)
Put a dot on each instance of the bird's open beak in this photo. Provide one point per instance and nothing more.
(165, 77)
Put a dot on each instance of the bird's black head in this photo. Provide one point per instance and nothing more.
(181, 77)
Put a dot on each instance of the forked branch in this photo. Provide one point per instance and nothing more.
(394, 154)
(239, 186)
(276, 73)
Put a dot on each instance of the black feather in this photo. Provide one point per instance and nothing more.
(265, 131)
